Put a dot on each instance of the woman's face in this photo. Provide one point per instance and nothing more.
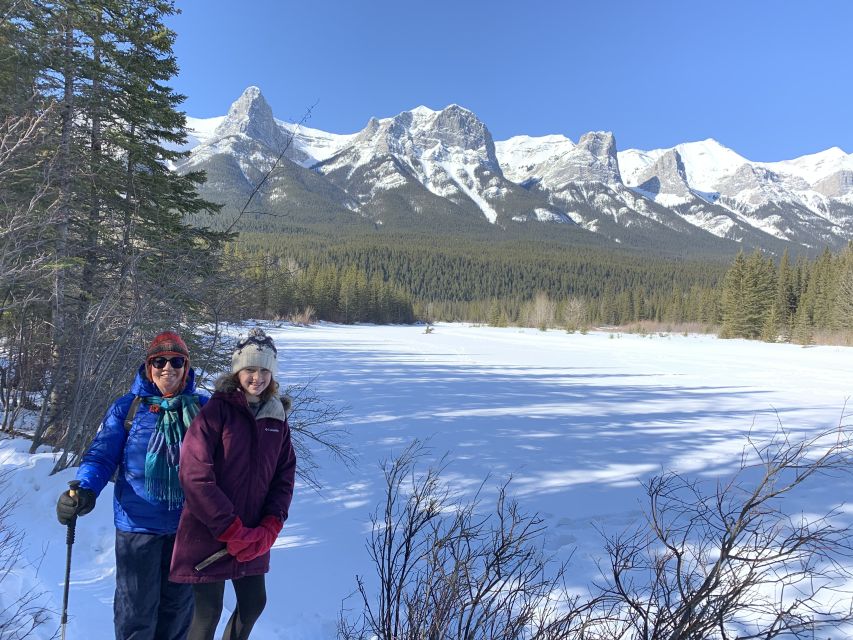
(167, 378)
(253, 380)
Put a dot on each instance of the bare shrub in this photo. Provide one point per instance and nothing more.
(541, 312)
(574, 314)
(838, 337)
(304, 318)
(22, 616)
(314, 422)
(723, 560)
(446, 570)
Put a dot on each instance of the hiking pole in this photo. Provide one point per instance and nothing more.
(211, 559)
(69, 542)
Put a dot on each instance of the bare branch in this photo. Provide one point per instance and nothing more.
(729, 562)
(444, 569)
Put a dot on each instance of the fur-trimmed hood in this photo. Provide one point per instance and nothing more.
(227, 384)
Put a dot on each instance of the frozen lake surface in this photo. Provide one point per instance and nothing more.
(576, 420)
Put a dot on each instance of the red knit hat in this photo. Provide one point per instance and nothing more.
(167, 343)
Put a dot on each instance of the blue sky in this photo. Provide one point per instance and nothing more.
(770, 80)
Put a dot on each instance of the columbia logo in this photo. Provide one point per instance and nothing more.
(273, 430)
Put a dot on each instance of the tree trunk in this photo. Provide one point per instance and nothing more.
(48, 426)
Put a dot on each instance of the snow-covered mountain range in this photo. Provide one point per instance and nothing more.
(437, 168)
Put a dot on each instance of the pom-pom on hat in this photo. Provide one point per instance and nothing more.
(255, 350)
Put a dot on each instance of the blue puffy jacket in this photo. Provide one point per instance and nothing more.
(115, 448)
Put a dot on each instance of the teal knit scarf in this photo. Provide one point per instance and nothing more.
(162, 459)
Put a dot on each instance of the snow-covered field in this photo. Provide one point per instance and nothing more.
(577, 420)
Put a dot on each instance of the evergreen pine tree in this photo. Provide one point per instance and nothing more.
(822, 290)
(759, 294)
(843, 307)
(735, 317)
(124, 262)
(786, 297)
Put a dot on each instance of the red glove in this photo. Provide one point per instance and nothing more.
(267, 532)
(239, 538)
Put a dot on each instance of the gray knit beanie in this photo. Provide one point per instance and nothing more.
(256, 350)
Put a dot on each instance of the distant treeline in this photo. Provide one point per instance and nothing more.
(360, 278)
(473, 280)
(282, 288)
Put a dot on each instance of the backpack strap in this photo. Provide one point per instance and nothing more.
(128, 422)
(131, 412)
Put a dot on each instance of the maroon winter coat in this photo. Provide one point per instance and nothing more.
(232, 464)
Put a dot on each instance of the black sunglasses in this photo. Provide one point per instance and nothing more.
(177, 362)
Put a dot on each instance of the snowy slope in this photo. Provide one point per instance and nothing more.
(200, 130)
(522, 157)
(317, 145)
(790, 200)
(712, 168)
(814, 167)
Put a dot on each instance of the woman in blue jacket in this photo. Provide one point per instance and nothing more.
(140, 438)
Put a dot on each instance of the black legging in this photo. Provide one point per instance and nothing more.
(251, 595)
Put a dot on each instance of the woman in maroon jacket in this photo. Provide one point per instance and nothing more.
(237, 472)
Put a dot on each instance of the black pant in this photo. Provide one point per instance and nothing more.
(147, 606)
(251, 595)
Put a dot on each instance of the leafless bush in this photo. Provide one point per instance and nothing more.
(726, 561)
(574, 314)
(444, 570)
(21, 616)
(305, 317)
(840, 337)
(315, 422)
(541, 312)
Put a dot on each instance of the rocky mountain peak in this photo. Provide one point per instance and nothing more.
(667, 175)
(424, 132)
(601, 147)
(593, 159)
(599, 143)
(251, 115)
(455, 124)
(747, 178)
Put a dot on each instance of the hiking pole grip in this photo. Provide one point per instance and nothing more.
(73, 485)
